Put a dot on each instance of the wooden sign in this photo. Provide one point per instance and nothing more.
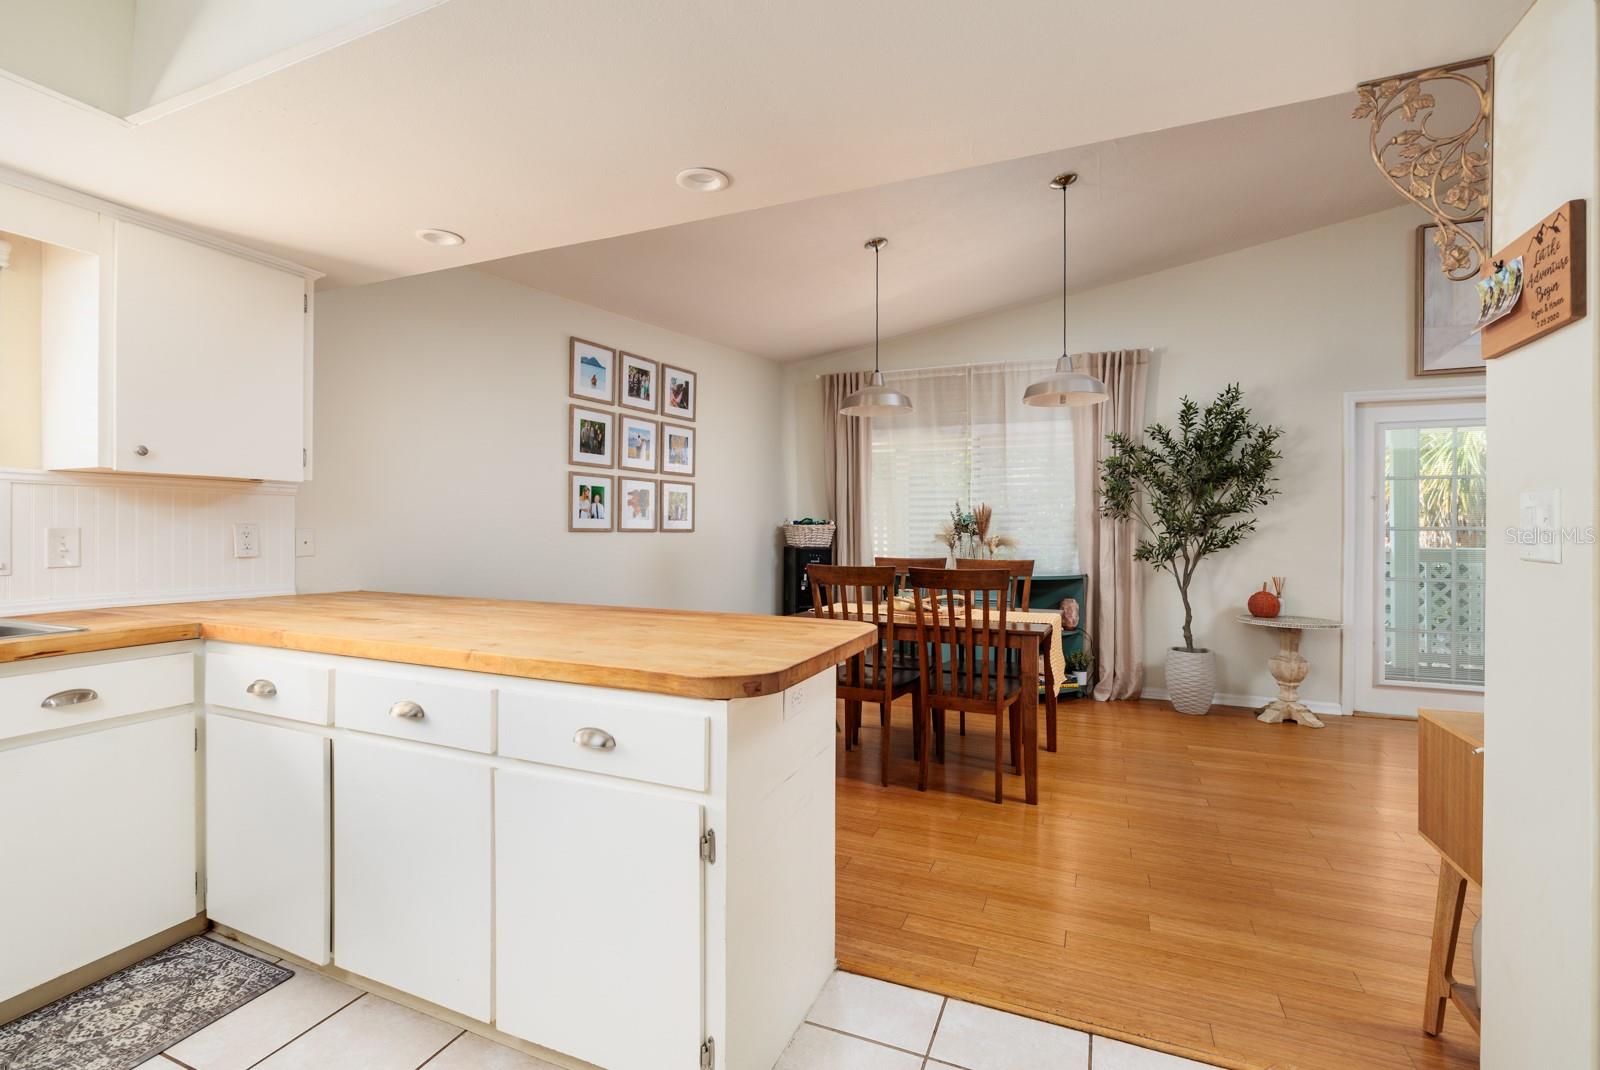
(1554, 286)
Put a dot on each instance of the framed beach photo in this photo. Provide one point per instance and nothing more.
(1447, 339)
(638, 504)
(641, 440)
(640, 383)
(591, 504)
(590, 437)
(593, 376)
(680, 392)
(677, 449)
(677, 506)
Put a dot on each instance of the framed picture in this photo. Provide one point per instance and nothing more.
(1447, 342)
(640, 384)
(594, 372)
(677, 449)
(639, 503)
(640, 444)
(591, 504)
(677, 506)
(591, 437)
(680, 392)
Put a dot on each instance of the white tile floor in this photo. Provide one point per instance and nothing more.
(311, 1022)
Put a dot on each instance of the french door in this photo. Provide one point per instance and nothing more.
(1417, 621)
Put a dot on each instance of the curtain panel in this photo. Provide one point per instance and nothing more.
(847, 467)
(1114, 615)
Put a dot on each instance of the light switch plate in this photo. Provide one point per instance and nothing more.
(247, 540)
(61, 547)
(1540, 530)
(305, 542)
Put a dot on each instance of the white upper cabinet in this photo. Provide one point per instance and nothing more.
(167, 356)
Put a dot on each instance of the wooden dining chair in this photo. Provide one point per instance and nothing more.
(865, 592)
(1021, 596)
(903, 565)
(964, 611)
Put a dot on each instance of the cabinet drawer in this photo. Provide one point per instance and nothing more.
(449, 714)
(118, 688)
(656, 739)
(264, 684)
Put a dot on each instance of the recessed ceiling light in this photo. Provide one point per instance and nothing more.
(434, 236)
(703, 179)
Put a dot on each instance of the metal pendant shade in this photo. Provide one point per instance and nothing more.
(877, 398)
(1065, 387)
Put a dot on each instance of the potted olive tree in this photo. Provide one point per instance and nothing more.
(1194, 492)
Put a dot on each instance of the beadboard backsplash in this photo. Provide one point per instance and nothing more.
(142, 539)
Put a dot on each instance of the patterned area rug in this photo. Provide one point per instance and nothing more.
(136, 1013)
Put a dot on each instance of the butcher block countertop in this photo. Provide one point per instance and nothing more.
(668, 652)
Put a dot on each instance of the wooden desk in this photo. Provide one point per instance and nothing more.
(1450, 817)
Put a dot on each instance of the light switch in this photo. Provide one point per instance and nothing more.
(61, 548)
(247, 540)
(1540, 530)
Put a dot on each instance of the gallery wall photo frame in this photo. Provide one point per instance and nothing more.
(639, 443)
(591, 437)
(677, 449)
(590, 502)
(680, 392)
(638, 504)
(592, 371)
(677, 506)
(639, 383)
(1445, 340)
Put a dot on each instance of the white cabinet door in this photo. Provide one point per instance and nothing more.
(267, 829)
(599, 927)
(411, 871)
(97, 846)
(210, 358)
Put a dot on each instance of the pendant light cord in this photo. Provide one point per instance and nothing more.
(876, 305)
(1063, 271)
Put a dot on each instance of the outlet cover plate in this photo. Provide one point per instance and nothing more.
(247, 540)
(62, 547)
(1540, 533)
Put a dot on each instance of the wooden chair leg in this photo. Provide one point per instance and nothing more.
(999, 754)
(938, 735)
(963, 722)
(1016, 737)
(1452, 896)
(1051, 700)
(922, 749)
(852, 722)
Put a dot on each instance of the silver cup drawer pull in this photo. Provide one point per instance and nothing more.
(76, 696)
(407, 711)
(262, 689)
(595, 739)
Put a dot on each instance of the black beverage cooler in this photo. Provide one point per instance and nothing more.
(796, 585)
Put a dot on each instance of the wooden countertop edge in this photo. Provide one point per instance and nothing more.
(742, 685)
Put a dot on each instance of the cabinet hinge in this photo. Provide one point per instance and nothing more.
(305, 302)
(708, 1054)
(197, 741)
(305, 458)
(708, 846)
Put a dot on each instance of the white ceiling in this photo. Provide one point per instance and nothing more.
(528, 125)
(794, 280)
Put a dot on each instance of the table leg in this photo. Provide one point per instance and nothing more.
(1030, 721)
(1288, 667)
(1441, 962)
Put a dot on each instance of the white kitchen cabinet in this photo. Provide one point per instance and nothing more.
(199, 366)
(599, 925)
(412, 870)
(268, 807)
(97, 845)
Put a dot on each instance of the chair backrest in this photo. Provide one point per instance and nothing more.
(858, 592)
(1021, 576)
(903, 565)
(964, 610)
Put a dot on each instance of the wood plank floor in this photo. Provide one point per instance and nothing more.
(1250, 895)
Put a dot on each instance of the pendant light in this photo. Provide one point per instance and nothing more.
(1065, 387)
(876, 398)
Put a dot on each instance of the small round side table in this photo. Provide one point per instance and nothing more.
(1289, 667)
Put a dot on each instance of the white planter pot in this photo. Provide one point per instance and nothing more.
(1191, 680)
(1081, 679)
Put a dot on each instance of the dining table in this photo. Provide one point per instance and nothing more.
(1030, 638)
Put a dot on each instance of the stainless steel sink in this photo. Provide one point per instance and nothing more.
(21, 629)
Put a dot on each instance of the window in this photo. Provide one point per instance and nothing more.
(972, 440)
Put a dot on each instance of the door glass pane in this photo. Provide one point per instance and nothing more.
(1431, 593)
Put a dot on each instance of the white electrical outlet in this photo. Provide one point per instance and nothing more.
(305, 542)
(247, 540)
(62, 548)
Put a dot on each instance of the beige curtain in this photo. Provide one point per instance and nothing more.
(1116, 581)
(847, 460)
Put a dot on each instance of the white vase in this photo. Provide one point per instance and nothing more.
(1191, 679)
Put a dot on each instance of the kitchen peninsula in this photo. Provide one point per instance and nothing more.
(602, 831)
